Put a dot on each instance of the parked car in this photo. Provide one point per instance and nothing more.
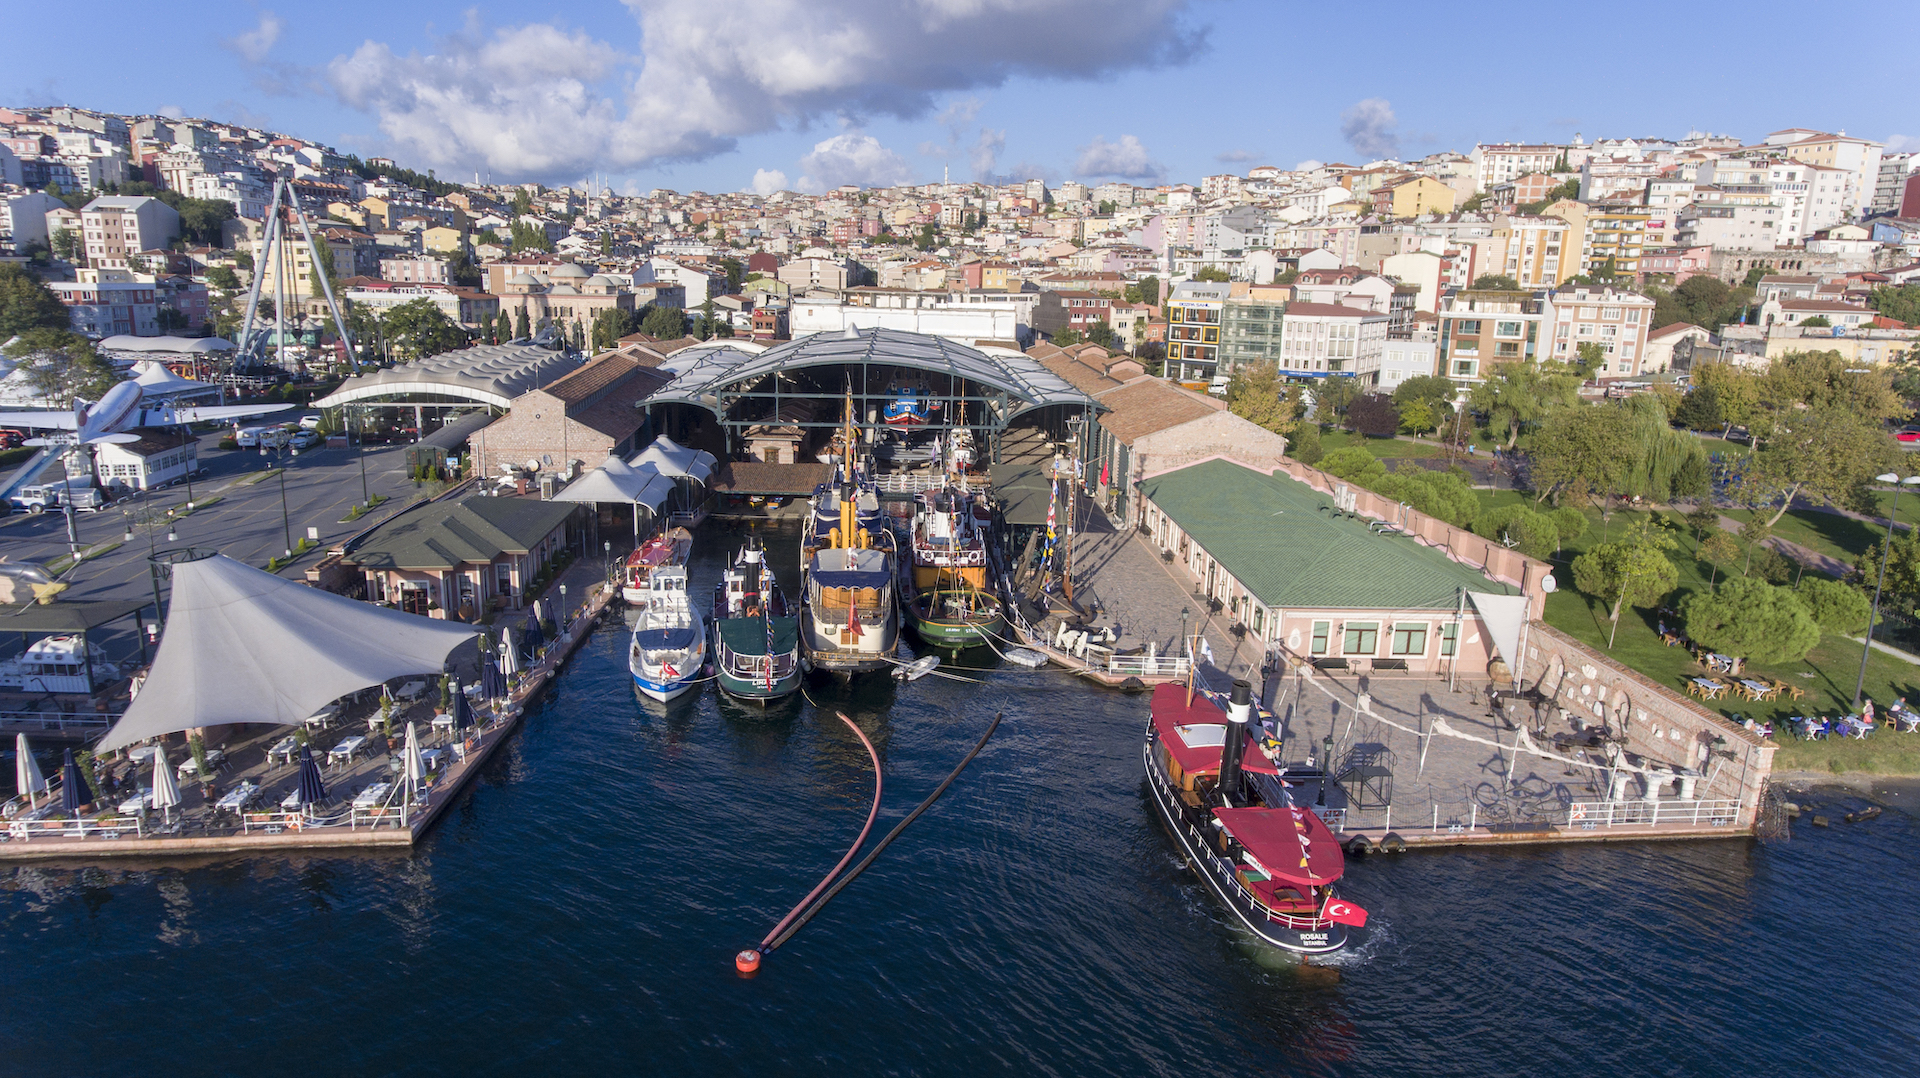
(1909, 434)
(310, 422)
(306, 438)
(11, 438)
(81, 493)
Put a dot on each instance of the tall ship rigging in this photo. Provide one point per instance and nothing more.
(756, 638)
(950, 594)
(849, 615)
(1272, 863)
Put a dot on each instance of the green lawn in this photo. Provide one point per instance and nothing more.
(1827, 675)
(1384, 448)
(1831, 534)
(1909, 504)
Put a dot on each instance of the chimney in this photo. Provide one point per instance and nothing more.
(1239, 710)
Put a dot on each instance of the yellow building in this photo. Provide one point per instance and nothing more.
(1415, 196)
(443, 239)
(1605, 231)
(1534, 250)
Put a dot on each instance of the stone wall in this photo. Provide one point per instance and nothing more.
(537, 427)
(1530, 575)
(1659, 723)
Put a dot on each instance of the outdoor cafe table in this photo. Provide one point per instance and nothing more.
(142, 754)
(283, 749)
(434, 759)
(1759, 689)
(1707, 688)
(343, 752)
(410, 690)
(320, 718)
(372, 795)
(138, 803)
(291, 802)
(239, 797)
(190, 767)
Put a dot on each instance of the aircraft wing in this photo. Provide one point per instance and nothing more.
(39, 420)
(229, 411)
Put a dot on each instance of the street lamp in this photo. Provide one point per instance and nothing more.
(1873, 613)
(286, 517)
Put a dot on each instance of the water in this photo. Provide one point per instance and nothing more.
(580, 908)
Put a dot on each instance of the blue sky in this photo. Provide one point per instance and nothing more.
(712, 95)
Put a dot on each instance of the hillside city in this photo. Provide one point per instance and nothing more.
(1655, 254)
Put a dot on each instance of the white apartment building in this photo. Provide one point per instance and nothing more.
(1507, 161)
(1729, 225)
(1318, 339)
(1401, 360)
(248, 195)
(416, 270)
(117, 226)
(1892, 181)
(1533, 254)
(1857, 156)
(1617, 321)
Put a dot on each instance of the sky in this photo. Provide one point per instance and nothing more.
(715, 95)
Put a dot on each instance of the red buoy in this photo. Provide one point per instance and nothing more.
(747, 961)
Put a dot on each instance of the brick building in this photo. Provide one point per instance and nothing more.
(582, 416)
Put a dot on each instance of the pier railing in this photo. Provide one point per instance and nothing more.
(1141, 666)
(91, 722)
(394, 810)
(107, 827)
(1592, 815)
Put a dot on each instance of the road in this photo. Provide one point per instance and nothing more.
(248, 523)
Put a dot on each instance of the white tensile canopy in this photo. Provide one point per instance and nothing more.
(672, 459)
(1505, 616)
(155, 380)
(616, 481)
(242, 645)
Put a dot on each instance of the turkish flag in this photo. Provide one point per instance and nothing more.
(1342, 912)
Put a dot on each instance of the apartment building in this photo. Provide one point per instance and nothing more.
(1322, 339)
(1617, 321)
(1064, 308)
(102, 309)
(416, 270)
(1534, 250)
(1401, 360)
(1857, 156)
(1481, 327)
(1251, 329)
(1508, 161)
(1194, 310)
(1729, 225)
(115, 227)
(1891, 182)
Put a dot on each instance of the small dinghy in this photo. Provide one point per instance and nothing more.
(917, 669)
(1026, 657)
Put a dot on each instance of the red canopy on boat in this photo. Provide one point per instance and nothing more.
(1194, 732)
(1271, 838)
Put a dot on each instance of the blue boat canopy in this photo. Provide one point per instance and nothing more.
(678, 638)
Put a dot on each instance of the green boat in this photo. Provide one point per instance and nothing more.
(756, 641)
(951, 599)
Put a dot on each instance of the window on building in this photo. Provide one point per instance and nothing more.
(1507, 329)
(1467, 327)
(1410, 638)
(1449, 637)
(1319, 646)
(1362, 638)
(1507, 349)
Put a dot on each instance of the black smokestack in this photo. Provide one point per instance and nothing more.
(1239, 709)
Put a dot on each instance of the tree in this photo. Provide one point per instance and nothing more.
(1737, 392)
(1719, 550)
(59, 364)
(522, 202)
(1515, 395)
(503, 328)
(1818, 321)
(1571, 523)
(1101, 334)
(1582, 453)
(1634, 569)
(1417, 416)
(27, 304)
(1902, 304)
(1666, 463)
(1150, 290)
(1495, 282)
(1588, 358)
(203, 220)
(1105, 208)
(223, 277)
(664, 323)
(1212, 274)
(1752, 619)
(521, 330)
(1254, 394)
(1836, 607)
(1333, 396)
(66, 245)
(1823, 453)
(1703, 522)
(1436, 391)
(1304, 446)
(1522, 528)
(420, 328)
(1828, 379)
(1441, 495)
(1067, 337)
(1755, 532)
(1374, 416)
(736, 272)
(1699, 409)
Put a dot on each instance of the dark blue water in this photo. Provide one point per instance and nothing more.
(579, 910)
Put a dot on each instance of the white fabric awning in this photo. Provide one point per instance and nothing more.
(672, 459)
(1505, 615)
(242, 645)
(617, 482)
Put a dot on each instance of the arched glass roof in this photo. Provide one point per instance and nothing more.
(705, 376)
(490, 374)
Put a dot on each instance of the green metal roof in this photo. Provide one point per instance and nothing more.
(748, 636)
(444, 535)
(1281, 539)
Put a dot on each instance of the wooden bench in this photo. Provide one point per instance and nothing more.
(1331, 664)
(1380, 665)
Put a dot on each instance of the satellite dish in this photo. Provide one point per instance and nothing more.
(1548, 584)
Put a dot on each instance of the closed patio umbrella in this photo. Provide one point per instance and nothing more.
(166, 792)
(492, 685)
(416, 766)
(509, 655)
(26, 770)
(313, 789)
(462, 710)
(73, 788)
(534, 636)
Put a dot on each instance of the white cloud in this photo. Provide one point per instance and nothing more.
(1127, 159)
(173, 112)
(985, 153)
(1371, 129)
(1236, 157)
(254, 45)
(1308, 165)
(852, 158)
(709, 74)
(767, 180)
(1902, 143)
